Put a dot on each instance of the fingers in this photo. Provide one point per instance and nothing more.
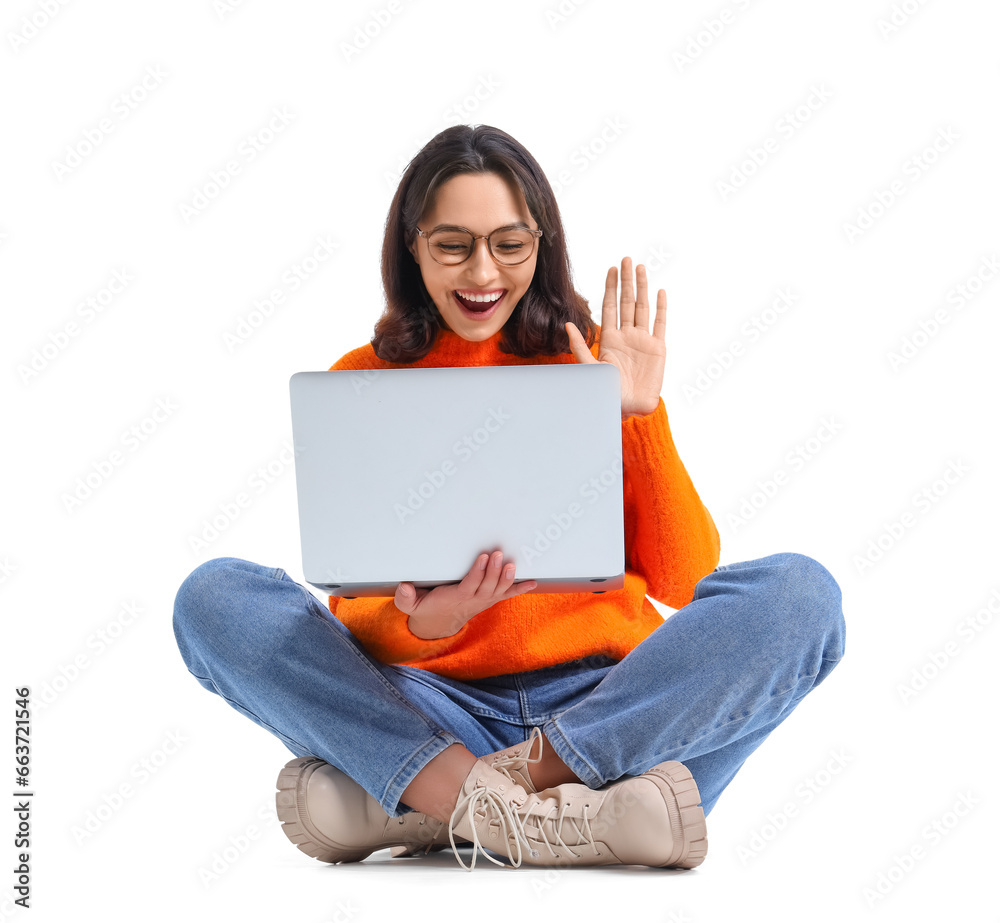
(525, 586)
(474, 578)
(634, 299)
(488, 581)
(660, 321)
(403, 601)
(609, 307)
(577, 344)
(640, 317)
(498, 578)
(628, 294)
(495, 575)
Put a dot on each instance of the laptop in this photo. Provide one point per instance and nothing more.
(410, 474)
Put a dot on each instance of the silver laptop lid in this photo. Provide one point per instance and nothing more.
(409, 474)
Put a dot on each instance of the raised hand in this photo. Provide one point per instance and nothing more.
(639, 355)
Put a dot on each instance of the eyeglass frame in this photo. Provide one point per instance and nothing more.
(535, 232)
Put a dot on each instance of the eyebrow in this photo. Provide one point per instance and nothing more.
(457, 227)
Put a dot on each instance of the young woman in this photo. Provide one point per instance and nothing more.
(568, 729)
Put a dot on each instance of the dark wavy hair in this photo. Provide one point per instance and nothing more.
(408, 327)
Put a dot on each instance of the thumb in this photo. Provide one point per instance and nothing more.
(405, 597)
(578, 345)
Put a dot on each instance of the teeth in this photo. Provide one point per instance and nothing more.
(469, 296)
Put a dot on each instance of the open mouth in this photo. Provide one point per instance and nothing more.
(478, 309)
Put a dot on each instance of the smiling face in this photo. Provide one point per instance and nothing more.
(481, 202)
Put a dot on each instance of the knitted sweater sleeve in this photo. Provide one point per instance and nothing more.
(670, 537)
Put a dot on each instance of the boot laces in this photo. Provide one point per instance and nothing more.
(505, 763)
(483, 800)
(579, 829)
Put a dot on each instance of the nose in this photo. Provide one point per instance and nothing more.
(480, 265)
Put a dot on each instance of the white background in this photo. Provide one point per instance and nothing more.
(673, 130)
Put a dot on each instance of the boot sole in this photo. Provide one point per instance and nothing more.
(687, 819)
(293, 781)
(400, 852)
(289, 801)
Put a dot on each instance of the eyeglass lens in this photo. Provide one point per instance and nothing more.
(507, 246)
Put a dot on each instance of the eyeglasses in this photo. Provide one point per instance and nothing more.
(508, 246)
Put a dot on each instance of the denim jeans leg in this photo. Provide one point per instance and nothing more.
(710, 684)
(265, 644)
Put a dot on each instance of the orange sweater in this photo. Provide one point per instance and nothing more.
(671, 542)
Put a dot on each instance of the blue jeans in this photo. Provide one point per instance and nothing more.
(706, 687)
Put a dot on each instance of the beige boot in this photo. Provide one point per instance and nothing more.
(327, 815)
(514, 761)
(653, 819)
